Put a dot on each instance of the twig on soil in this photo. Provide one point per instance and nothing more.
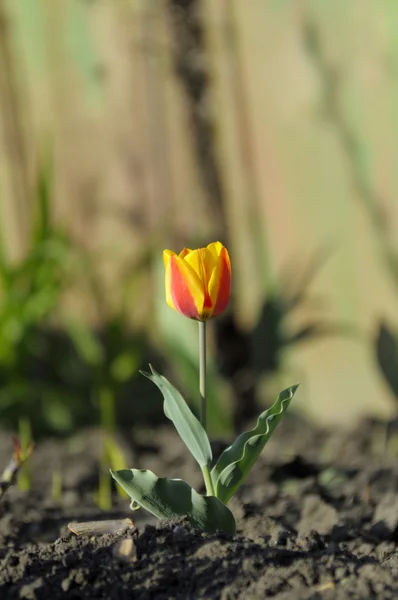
(115, 526)
(10, 473)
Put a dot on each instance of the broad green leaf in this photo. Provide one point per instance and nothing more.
(170, 498)
(236, 461)
(189, 428)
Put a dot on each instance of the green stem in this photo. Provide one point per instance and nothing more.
(202, 373)
(208, 481)
(203, 406)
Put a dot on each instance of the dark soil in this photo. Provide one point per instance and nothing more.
(317, 519)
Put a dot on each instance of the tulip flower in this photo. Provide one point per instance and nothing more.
(198, 282)
(198, 286)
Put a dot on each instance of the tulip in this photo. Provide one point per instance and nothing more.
(198, 282)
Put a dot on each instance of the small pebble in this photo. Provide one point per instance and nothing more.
(179, 533)
(125, 550)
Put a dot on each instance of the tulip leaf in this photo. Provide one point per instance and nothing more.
(236, 461)
(170, 498)
(189, 428)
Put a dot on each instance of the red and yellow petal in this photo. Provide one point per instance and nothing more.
(203, 263)
(198, 282)
(167, 254)
(222, 283)
(184, 252)
(184, 289)
(215, 248)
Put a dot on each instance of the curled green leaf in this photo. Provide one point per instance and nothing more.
(170, 498)
(189, 428)
(236, 461)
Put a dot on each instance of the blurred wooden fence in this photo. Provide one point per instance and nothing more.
(271, 124)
